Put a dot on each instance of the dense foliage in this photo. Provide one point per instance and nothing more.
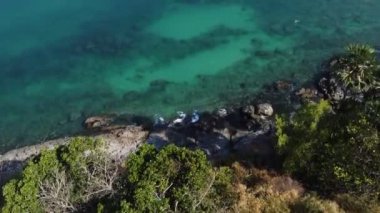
(61, 179)
(337, 148)
(81, 177)
(174, 180)
(358, 68)
(333, 152)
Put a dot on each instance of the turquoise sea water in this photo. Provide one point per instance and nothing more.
(61, 61)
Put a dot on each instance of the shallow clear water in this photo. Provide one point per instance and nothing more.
(61, 61)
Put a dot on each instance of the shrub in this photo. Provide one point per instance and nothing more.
(63, 179)
(357, 204)
(174, 179)
(297, 136)
(263, 191)
(313, 204)
(334, 152)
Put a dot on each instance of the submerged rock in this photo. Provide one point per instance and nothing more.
(74, 116)
(97, 122)
(283, 86)
(158, 85)
(131, 96)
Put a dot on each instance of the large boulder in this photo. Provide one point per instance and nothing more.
(214, 144)
(122, 141)
(250, 110)
(257, 147)
(283, 86)
(97, 122)
(132, 134)
(265, 109)
(158, 139)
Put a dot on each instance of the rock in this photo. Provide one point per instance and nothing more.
(259, 148)
(232, 134)
(265, 109)
(158, 85)
(132, 134)
(214, 144)
(222, 113)
(9, 170)
(250, 110)
(338, 94)
(120, 142)
(97, 122)
(283, 86)
(158, 139)
(307, 93)
(178, 138)
(331, 89)
(333, 62)
(24, 153)
(324, 85)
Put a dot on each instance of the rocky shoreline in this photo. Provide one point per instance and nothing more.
(246, 130)
(118, 144)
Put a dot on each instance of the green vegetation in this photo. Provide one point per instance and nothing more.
(79, 176)
(358, 68)
(333, 152)
(337, 150)
(174, 180)
(69, 179)
(330, 163)
(60, 179)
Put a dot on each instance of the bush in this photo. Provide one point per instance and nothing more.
(263, 191)
(63, 179)
(174, 179)
(357, 204)
(313, 204)
(298, 136)
(333, 152)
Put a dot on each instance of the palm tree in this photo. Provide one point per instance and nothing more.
(357, 68)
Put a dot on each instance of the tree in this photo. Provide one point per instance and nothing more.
(173, 180)
(22, 195)
(298, 136)
(63, 179)
(333, 152)
(358, 68)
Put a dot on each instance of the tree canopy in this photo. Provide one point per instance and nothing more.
(333, 152)
(60, 180)
(358, 68)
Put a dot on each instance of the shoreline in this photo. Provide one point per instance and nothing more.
(118, 144)
(240, 130)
